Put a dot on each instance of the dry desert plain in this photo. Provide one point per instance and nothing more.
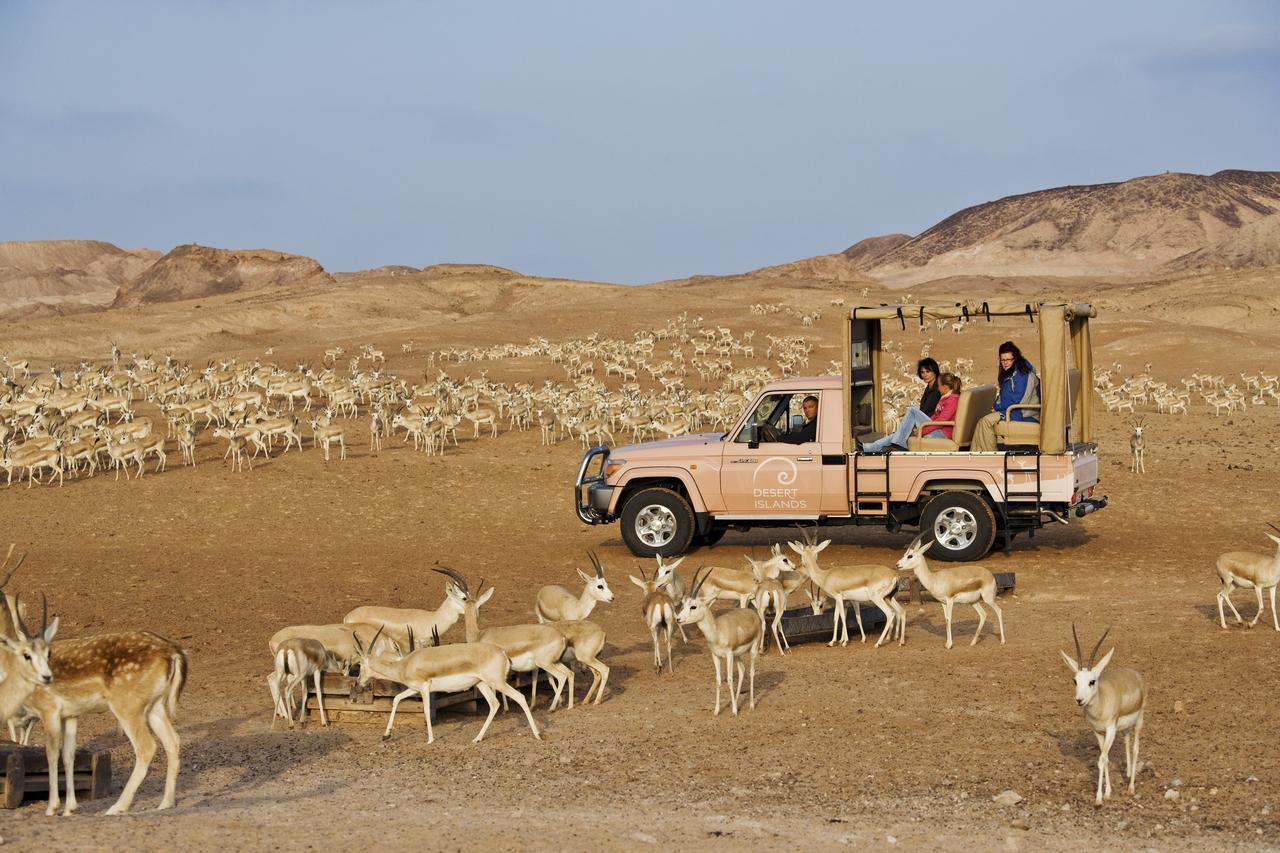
(897, 745)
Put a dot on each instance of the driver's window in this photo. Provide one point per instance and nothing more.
(771, 417)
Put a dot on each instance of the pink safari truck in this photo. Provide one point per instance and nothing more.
(677, 493)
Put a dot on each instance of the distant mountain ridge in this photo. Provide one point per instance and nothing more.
(192, 271)
(1166, 225)
(1148, 224)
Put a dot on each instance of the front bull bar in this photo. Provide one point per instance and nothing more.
(581, 495)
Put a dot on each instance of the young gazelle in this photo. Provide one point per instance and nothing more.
(446, 669)
(555, 603)
(1248, 570)
(659, 615)
(730, 635)
(337, 641)
(877, 585)
(295, 661)
(583, 642)
(770, 594)
(733, 584)
(1113, 700)
(668, 580)
(963, 584)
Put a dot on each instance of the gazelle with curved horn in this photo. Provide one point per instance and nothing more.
(963, 584)
(554, 602)
(1248, 570)
(659, 614)
(529, 647)
(731, 636)
(449, 668)
(24, 659)
(877, 585)
(1113, 700)
(395, 619)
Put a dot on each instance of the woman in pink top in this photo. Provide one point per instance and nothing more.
(949, 384)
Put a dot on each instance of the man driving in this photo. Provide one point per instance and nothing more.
(809, 431)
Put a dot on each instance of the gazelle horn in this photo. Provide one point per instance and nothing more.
(458, 579)
(1098, 645)
(1079, 657)
(595, 561)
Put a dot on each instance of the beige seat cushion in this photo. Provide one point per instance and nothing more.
(974, 403)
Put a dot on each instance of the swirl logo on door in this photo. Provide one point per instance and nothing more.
(772, 485)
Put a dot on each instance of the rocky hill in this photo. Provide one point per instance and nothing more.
(66, 274)
(1136, 226)
(192, 272)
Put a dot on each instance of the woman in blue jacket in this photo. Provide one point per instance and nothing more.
(1019, 385)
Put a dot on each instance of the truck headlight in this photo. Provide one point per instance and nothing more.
(613, 466)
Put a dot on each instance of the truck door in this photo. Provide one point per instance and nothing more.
(764, 475)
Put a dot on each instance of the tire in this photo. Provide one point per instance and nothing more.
(656, 522)
(962, 525)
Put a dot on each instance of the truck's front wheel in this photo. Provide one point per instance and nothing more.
(961, 524)
(657, 521)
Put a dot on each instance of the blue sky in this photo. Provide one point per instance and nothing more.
(607, 141)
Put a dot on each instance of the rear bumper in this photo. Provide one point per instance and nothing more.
(591, 496)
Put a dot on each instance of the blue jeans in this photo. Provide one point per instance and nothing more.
(912, 419)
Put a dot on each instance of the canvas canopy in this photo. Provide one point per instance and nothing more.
(1064, 343)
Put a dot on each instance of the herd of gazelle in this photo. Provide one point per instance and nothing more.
(139, 676)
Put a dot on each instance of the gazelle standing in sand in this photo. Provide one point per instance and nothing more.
(1248, 570)
(554, 602)
(659, 613)
(1113, 700)
(877, 585)
(1137, 447)
(295, 661)
(964, 584)
(446, 669)
(730, 636)
(530, 648)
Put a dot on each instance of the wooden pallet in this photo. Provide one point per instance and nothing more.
(346, 701)
(801, 626)
(26, 774)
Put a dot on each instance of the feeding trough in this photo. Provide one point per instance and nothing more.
(26, 774)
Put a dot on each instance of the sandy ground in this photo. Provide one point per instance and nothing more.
(881, 747)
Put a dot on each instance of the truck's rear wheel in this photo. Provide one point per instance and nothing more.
(961, 524)
(657, 521)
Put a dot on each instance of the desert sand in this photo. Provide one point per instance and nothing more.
(894, 746)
